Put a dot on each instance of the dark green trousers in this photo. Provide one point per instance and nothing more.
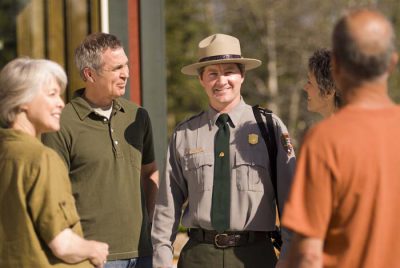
(203, 255)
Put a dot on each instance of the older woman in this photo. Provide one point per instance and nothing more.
(39, 224)
(321, 91)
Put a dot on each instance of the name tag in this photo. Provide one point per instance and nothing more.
(194, 150)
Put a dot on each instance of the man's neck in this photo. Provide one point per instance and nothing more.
(97, 101)
(370, 95)
(225, 108)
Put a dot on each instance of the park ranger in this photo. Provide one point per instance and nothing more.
(218, 163)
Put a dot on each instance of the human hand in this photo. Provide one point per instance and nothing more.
(98, 256)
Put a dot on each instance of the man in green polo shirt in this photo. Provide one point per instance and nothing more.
(106, 142)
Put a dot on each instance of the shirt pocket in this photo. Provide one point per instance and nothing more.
(199, 171)
(251, 170)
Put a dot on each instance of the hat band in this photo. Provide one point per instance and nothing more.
(221, 57)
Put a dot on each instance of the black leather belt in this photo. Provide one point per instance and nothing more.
(227, 239)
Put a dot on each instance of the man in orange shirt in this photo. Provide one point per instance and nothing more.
(344, 203)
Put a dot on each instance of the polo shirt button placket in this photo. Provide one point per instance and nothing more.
(117, 151)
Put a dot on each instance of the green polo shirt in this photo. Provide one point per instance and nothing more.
(104, 158)
(36, 203)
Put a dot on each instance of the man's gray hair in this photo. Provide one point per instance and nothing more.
(89, 53)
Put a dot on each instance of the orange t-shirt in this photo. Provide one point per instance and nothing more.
(346, 189)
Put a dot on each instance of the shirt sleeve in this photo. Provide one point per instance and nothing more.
(309, 206)
(168, 210)
(286, 163)
(50, 201)
(148, 143)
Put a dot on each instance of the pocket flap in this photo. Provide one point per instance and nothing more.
(69, 210)
(251, 158)
(197, 160)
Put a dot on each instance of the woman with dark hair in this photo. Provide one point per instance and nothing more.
(322, 96)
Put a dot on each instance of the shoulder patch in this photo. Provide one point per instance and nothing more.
(287, 143)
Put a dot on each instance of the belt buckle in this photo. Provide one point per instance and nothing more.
(216, 240)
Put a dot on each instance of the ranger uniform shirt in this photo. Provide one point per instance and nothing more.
(189, 178)
(36, 202)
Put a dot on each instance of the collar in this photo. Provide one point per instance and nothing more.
(235, 114)
(83, 108)
(13, 134)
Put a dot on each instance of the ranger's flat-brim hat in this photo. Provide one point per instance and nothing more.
(219, 48)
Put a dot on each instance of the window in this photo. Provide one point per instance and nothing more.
(47, 29)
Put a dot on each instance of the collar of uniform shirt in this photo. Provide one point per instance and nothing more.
(234, 114)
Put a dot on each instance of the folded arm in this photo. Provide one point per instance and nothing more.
(72, 248)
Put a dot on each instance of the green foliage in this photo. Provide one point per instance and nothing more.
(186, 26)
(283, 34)
(8, 45)
(182, 229)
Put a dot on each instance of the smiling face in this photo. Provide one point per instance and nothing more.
(322, 104)
(110, 81)
(44, 111)
(222, 83)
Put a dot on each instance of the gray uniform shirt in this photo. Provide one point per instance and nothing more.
(189, 178)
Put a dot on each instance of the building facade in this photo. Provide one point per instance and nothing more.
(52, 29)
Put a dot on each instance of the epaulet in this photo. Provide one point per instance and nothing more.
(189, 119)
(264, 111)
(267, 113)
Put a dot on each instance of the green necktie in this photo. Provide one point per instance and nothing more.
(220, 210)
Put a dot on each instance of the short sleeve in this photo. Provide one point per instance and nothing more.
(148, 143)
(308, 208)
(50, 200)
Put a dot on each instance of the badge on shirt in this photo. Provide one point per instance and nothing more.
(287, 143)
(253, 138)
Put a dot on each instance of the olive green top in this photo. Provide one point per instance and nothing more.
(36, 203)
(104, 158)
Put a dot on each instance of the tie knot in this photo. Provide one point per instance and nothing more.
(222, 119)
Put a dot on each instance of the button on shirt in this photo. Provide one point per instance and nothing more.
(36, 203)
(189, 177)
(104, 158)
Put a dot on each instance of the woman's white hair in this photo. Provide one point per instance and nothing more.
(21, 80)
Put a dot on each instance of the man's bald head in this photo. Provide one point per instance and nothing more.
(363, 44)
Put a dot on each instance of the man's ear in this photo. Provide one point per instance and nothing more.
(338, 75)
(88, 75)
(335, 68)
(200, 79)
(393, 62)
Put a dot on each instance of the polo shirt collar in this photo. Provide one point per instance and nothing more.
(235, 114)
(83, 108)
